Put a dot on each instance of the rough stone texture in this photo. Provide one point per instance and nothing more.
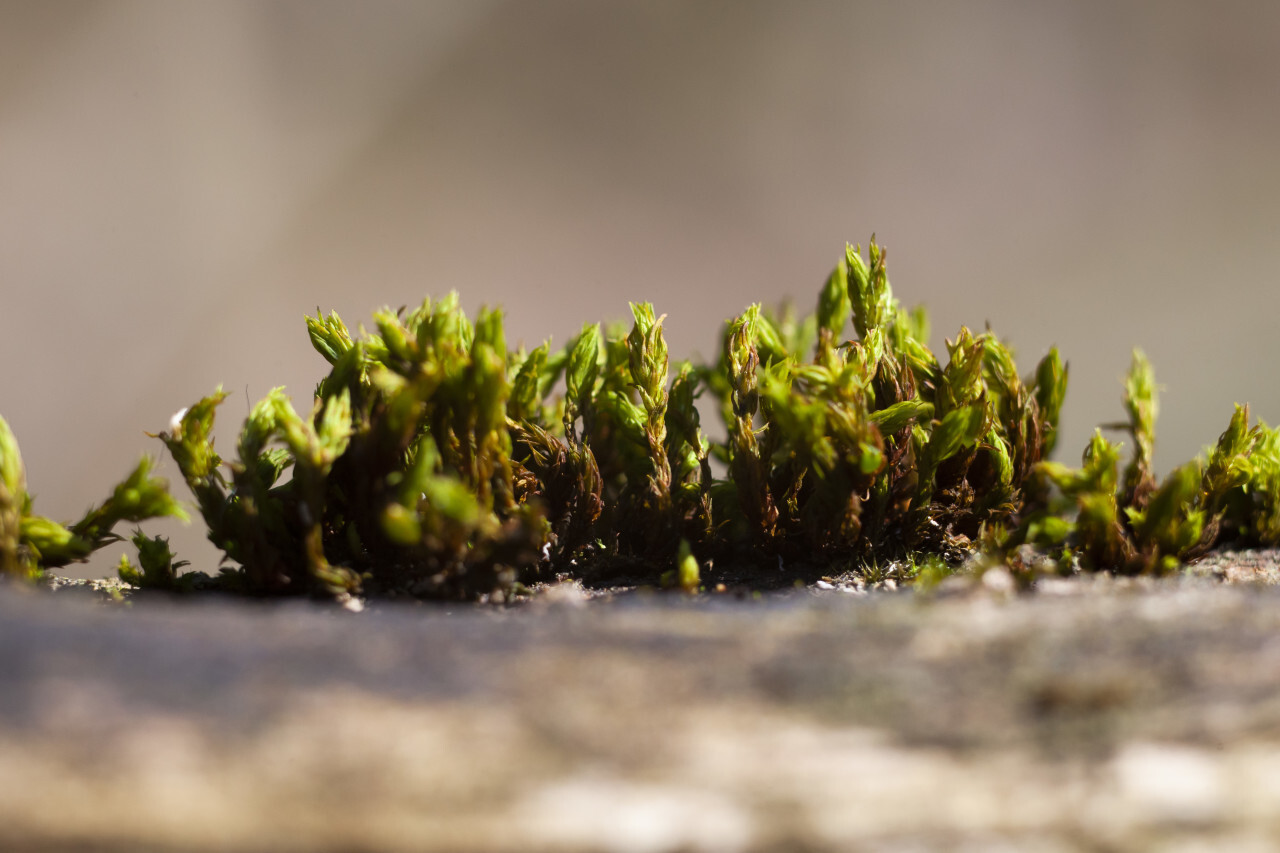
(1093, 715)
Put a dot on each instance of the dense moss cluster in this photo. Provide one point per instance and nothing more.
(438, 462)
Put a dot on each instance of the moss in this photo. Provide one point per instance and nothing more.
(30, 543)
(437, 461)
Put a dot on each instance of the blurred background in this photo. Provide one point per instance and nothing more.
(181, 181)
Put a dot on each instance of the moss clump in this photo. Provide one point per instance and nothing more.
(439, 462)
(31, 543)
(1133, 524)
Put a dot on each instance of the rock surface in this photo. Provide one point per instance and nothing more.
(1091, 715)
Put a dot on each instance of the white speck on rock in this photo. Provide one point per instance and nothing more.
(998, 580)
(1171, 783)
(1058, 586)
(619, 816)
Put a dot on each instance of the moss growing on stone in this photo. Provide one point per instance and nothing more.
(438, 462)
(31, 543)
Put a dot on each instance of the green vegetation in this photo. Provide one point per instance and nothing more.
(437, 462)
(1134, 525)
(31, 543)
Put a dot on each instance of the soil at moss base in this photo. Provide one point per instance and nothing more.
(1095, 713)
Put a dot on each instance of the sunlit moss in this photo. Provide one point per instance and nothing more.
(436, 461)
(31, 543)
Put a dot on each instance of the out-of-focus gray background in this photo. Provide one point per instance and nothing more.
(181, 181)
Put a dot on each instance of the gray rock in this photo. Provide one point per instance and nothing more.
(1107, 715)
